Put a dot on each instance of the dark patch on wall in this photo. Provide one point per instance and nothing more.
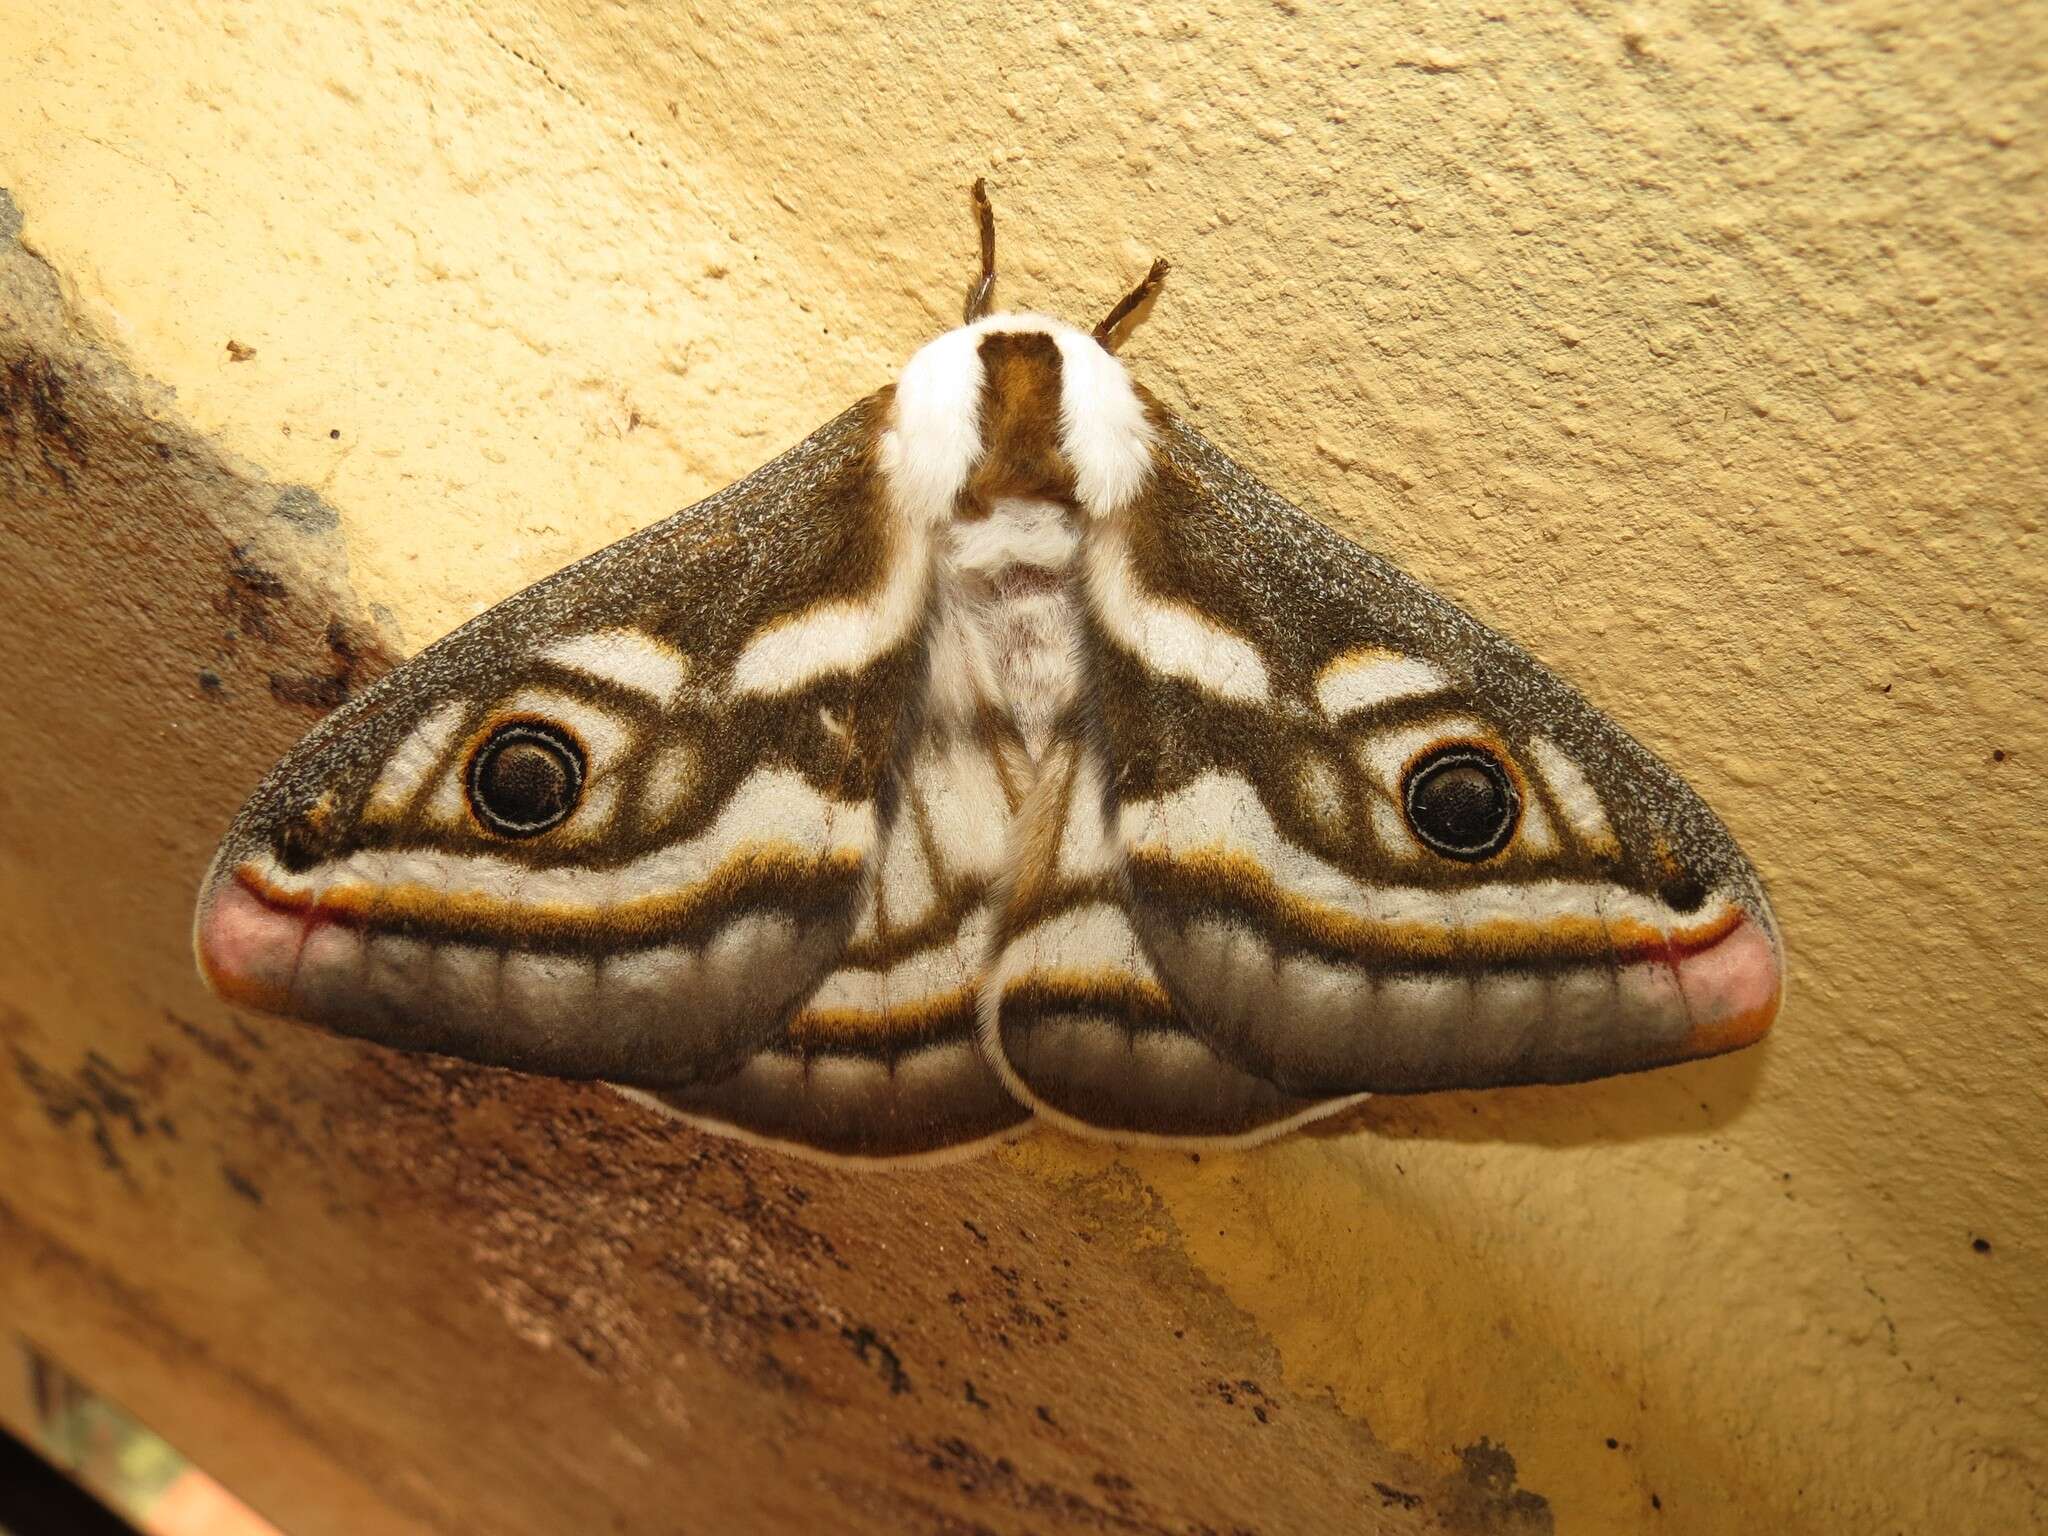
(306, 510)
(873, 1349)
(33, 414)
(1247, 1392)
(111, 1104)
(1112, 1503)
(240, 1183)
(251, 589)
(10, 216)
(1015, 1309)
(353, 660)
(210, 1043)
(1392, 1497)
(257, 604)
(1489, 1474)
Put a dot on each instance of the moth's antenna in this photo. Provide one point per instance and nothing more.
(1147, 286)
(982, 290)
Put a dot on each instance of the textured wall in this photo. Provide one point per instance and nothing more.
(1698, 347)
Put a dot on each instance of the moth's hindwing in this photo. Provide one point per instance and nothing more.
(880, 1058)
(720, 918)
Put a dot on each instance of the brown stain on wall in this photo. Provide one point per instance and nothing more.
(1699, 349)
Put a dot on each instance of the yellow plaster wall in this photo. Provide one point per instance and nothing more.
(1698, 346)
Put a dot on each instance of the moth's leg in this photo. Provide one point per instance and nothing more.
(981, 292)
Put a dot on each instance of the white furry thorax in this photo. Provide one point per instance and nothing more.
(1005, 631)
(934, 439)
(1001, 636)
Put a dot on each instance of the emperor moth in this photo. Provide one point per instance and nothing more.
(1002, 752)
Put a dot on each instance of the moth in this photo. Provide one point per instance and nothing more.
(1001, 753)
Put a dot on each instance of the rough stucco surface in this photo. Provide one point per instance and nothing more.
(1699, 347)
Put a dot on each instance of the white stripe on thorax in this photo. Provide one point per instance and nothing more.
(1103, 427)
(934, 435)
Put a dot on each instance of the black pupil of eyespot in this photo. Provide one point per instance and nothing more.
(1461, 803)
(526, 780)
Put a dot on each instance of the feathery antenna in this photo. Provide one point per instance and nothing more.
(982, 290)
(1147, 286)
